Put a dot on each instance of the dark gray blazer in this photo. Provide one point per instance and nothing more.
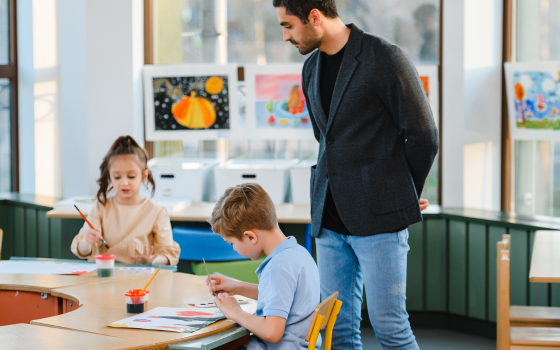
(380, 140)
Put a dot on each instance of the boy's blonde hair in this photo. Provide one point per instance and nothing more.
(241, 208)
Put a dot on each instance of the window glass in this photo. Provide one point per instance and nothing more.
(5, 136)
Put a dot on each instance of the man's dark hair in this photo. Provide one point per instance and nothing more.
(302, 8)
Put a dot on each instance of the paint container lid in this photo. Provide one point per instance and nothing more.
(139, 290)
(135, 293)
(106, 257)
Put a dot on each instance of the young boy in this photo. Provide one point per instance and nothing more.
(288, 290)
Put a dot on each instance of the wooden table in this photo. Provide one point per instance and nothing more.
(104, 303)
(26, 336)
(286, 213)
(26, 297)
(545, 262)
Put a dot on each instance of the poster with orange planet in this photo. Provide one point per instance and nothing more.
(190, 101)
(533, 95)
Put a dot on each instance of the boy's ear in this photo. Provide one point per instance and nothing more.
(251, 235)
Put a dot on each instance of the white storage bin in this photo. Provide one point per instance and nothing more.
(300, 177)
(184, 179)
(271, 174)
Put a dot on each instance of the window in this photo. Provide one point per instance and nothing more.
(8, 87)
(536, 164)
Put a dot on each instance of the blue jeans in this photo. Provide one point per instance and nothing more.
(345, 264)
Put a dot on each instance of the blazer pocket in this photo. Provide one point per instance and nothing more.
(388, 186)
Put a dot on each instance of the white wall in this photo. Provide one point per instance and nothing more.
(472, 73)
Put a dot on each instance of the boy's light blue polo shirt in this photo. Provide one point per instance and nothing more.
(288, 288)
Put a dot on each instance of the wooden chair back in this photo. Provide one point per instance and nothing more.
(503, 291)
(507, 241)
(325, 315)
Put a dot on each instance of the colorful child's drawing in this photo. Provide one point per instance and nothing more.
(182, 320)
(280, 102)
(537, 100)
(191, 102)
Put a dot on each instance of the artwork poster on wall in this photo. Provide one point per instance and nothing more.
(190, 102)
(533, 96)
(276, 107)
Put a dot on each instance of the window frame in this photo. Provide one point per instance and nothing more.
(9, 71)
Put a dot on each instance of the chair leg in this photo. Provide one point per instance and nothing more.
(315, 333)
(330, 324)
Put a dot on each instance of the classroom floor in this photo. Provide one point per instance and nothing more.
(435, 339)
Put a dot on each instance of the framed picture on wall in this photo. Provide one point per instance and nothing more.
(429, 79)
(533, 97)
(190, 102)
(276, 108)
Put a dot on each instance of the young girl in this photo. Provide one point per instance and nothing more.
(137, 230)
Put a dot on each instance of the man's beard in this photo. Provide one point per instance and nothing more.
(309, 41)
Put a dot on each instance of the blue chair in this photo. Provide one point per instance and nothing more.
(199, 242)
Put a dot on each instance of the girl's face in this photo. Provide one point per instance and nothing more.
(127, 176)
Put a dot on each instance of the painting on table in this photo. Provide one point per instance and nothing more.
(172, 319)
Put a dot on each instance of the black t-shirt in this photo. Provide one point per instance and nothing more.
(329, 72)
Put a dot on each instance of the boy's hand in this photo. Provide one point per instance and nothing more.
(227, 305)
(92, 236)
(221, 285)
(144, 258)
(423, 204)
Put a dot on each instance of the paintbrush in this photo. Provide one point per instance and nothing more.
(209, 279)
(150, 281)
(90, 225)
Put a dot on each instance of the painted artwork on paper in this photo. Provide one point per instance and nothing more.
(171, 319)
(190, 102)
(184, 103)
(536, 99)
(280, 102)
(533, 93)
(429, 80)
(276, 107)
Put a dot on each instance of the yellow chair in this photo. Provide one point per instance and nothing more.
(324, 316)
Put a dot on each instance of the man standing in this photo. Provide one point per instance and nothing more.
(377, 141)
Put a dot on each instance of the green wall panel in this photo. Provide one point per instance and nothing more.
(477, 270)
(555, 294)
(495, 234)
(43, 234)
(56, 234)
(6, 226)
(436, 265)
(538, 292)
(18, 222)
(31, 248)
(457, 267)
(519, 270)
(69, 230)
(415, 268)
